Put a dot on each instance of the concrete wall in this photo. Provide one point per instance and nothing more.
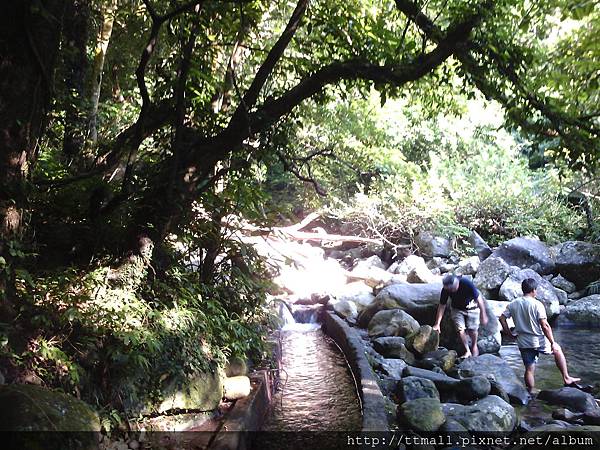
(373, 404)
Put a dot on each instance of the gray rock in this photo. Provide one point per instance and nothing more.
(561, 282)
(419, 300)
(393, 367)
(425, 340)
(492, 273)
(481, 247)
(588, 418)
(473, 388)
(392, 322)
(578, 262)
(468, 266)
(527, 253)
(442, 358)
(505, 376)
(345, 308)
(430, 245)
(563, 297)
(421, 414)
(572, 398)
(414, 270)
(511, 289)
(490, 414)
(370, 262)
(393, 349)
(411, 388)
(585, 311)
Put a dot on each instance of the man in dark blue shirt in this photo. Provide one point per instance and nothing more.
(467, 309)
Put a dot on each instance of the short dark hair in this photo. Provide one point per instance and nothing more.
(529, 285)
(449, 280)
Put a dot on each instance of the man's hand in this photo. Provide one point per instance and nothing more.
(436, 327)
(484, 320)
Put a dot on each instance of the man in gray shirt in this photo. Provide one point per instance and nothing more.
(534, 334)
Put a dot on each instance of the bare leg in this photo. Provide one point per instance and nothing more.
(473, 336)
(530, 377)
(561, 363)
(465, 340)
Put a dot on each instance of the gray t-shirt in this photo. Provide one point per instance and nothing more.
(526, 313)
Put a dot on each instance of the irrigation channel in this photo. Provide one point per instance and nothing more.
(317, 394)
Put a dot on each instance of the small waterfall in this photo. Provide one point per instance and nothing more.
(285, 314)
(306, 313)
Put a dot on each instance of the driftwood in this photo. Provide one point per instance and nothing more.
(293, 232)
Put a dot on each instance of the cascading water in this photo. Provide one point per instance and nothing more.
(317, 392)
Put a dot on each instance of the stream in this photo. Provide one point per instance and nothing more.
(317, 392)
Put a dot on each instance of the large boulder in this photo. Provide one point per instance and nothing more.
(468, 266)
(430, 245)
(419, 300)
(421, 414)
(578, 262)
(572, 398)
(527, 253)
(202, 391)
(393, 347)
(492, 273)
(504, 375)
(442, 358)
(465, 390)
(413, 269)
(393, 367)
(562, 283)
(425, 340)
(511, 289)
(479, 245)
(372, 261)
(411, 388)
(27, 408)
(585, 311)
(490, 414)
(392, 322)
(346, 309)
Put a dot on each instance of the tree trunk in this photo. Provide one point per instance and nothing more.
(29, 43)
(75, 50)
(109, 10)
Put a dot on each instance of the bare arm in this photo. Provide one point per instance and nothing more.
(482, 311)
(505, 326)
(547, 329)
(438, 316)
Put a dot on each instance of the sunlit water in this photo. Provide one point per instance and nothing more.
(317, 391)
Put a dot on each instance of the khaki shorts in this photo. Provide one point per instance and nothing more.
(468, 319)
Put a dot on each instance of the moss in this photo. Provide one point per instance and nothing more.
(26, 407)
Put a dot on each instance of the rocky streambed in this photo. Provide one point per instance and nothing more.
(392, 302)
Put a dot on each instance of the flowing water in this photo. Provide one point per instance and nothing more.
(582, 350)
(317, 392)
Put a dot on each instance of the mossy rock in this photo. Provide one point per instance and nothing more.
(26, 407)
(201, 392)
(236, 367)
(59, 421)
(421, 414)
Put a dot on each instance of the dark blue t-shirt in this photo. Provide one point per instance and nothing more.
(464, 298)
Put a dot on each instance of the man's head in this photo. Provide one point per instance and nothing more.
(451, 283)
(528, 286)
